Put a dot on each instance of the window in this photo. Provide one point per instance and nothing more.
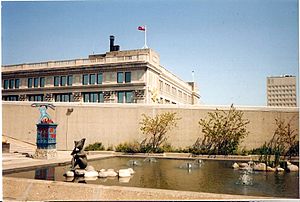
(161, 84)
(63, 80)
(17, 83)
(11, 98)
(99, 78)
(101, 97)
(42, 82)
(127, 77)
(180, 93)
(11, 83)
(129, 97)
(70, 80)
(120, 77)
(92, 79)
(93, 97)
(29, 83)
(174, 90)
(167, 86)
(36, 97)
(86, 97)
(36, 82)
(56, 81)
(66, 97)
(85, 79)
(5, 84)
(120, 97)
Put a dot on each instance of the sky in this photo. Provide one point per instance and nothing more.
(231, 45)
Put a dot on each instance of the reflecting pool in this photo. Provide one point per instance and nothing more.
(210, 176)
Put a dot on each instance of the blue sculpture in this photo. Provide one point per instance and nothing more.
(44, 117)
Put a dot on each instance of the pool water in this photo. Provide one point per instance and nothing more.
(211, 176)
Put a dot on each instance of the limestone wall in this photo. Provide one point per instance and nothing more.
(112, 124)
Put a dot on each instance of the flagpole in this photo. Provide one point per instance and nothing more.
(145, 45)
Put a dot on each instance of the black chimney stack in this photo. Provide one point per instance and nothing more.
(113, 47)
(112, 39)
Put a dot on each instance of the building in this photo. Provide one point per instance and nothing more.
(130, 76)
(281, 91)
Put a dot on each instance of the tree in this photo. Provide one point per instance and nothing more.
(285, 140)
(223, 131)
(157, 129)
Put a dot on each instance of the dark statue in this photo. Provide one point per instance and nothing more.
(79, 156)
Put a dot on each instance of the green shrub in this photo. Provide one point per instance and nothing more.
(156, 130)
(223, 131)
(131, 147)
(182, 150)
(97, 146)
(167, 147)
(110, 148)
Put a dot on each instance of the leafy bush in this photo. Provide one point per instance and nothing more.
(97, 146)
(110, 148)
(131, 147)
(157, 128)
(283, 143)
(284, 140)
(223, 132)
(167, 147)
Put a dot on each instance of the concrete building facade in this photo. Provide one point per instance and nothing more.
(132, 76)
(281, 91)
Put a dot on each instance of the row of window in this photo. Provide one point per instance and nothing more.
(281, 91)
(11, 83)
(167, 88)
(90, 79)
(64, 97)
(10, 98)
(282, 86)
(87, 79)
(121, 79)
(123, 97)
(63, 80)
(36, 82)
(93, 97)
(36, 98)
(282, 100)
(283, 105)
(281, 95)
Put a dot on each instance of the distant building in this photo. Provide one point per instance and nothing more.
(281, 91)
(130, 76)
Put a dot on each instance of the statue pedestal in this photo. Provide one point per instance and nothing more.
(45, 154)
(46, 141)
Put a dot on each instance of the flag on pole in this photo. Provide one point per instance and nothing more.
(142, 28)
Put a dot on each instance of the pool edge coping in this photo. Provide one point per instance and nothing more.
(30, 189)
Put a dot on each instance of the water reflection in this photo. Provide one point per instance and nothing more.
(189, 166)
(45, 173)
(150, 160)
(133, 163)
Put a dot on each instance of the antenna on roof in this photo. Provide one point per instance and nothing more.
(193, 76)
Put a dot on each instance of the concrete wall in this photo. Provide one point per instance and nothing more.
(112, 124)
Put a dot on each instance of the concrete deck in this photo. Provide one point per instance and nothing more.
(40, 190)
